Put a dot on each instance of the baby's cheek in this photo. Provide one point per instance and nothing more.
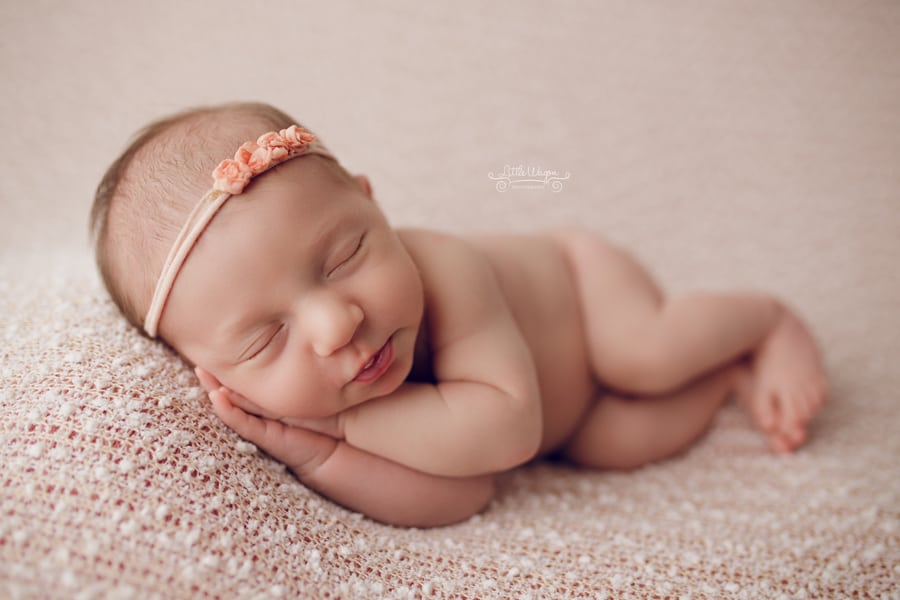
(255, 395)
(255, 408)
(400, 288)
(273, 402)
(289, 394)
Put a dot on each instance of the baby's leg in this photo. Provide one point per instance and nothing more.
(621, 433)
(643, 343)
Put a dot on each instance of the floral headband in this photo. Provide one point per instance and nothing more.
(229, 179)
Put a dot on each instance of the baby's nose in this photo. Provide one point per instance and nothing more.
(333, 322)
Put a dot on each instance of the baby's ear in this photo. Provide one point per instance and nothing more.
(364, 184)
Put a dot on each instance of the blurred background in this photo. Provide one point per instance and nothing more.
(686, 129)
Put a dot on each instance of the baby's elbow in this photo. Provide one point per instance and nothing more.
(531, 443)
(480, 495)
(465, 498)
(528, 433)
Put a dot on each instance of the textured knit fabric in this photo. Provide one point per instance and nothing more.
(728, 145)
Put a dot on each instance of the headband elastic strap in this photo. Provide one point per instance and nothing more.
(229, 179)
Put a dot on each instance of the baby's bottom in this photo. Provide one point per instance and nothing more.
(626, 433)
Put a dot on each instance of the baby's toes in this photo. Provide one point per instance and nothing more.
(791, 410)
(779, 443)
(765, 409)
(795, 413)
(795, 436)
(787, 439)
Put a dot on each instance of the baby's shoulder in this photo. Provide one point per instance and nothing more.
(438, 253)
(457, 278)
(480, 256)
(415, 238)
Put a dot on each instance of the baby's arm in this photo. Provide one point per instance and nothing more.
(484, 414)
(381, 489)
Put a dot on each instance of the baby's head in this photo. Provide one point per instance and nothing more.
(148, 192)
(284, 282)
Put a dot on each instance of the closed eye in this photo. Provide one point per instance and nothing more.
(262, 343)
(347, 255)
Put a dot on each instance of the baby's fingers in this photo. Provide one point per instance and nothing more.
(243, 423)
(250, 427)
(298, 448)
(207, 379)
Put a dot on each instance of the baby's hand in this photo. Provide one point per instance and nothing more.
(380, 488)
(211, 384)
(301, 449)
(331, 426)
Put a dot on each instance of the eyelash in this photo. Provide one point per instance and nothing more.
(344, 261)
(267, 343)
(271, 338)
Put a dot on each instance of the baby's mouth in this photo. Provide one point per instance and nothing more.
(378, 363)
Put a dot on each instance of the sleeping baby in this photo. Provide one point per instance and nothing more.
(396, 371)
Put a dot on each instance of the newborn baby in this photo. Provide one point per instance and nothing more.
(396, 370)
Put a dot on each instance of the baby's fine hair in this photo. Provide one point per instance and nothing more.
(146, 194)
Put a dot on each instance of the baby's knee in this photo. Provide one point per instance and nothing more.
(646, 368)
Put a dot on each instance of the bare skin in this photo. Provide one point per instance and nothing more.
(790, 386)
(555, 343)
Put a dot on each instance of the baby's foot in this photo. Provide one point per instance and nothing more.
(790, 385)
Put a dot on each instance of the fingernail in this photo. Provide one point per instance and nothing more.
(201, 379)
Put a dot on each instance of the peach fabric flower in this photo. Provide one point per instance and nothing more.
(244, 153)
(260, 160)
(231, 176)
(297, 138)
(253, 158)
(273, 141)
